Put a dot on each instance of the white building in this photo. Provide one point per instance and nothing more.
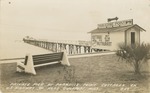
(109, 35)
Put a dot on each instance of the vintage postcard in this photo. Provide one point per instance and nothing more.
(74, 46)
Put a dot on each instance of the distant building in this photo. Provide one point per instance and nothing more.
(109, 35)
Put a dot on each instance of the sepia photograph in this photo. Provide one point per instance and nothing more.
(74, 46)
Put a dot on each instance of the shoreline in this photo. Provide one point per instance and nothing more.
(69, 56)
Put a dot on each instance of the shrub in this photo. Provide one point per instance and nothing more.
(135, 54)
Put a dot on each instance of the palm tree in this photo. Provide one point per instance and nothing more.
(135, 54)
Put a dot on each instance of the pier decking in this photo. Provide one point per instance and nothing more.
(57, 46)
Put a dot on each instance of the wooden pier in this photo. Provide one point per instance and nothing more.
(59, 46)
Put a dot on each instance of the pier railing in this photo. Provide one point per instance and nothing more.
(55, 46)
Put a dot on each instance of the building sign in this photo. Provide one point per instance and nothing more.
(97, 41)
(116, 24)
(107, 38)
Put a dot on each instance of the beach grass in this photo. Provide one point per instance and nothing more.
(109, 75)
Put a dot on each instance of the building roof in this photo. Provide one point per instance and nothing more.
(115, 29)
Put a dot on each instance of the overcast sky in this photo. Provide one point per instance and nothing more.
(67, 19)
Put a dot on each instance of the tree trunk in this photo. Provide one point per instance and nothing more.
(137, 68)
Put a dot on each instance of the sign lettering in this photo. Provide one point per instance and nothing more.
(116, 24)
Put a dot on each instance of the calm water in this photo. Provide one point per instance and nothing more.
(11, 44)
(18, 49)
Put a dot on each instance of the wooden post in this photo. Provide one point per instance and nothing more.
(89, 50)
(69, 49)
(84, 49)
(79, 49)
(56, 48)
(52, 46)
